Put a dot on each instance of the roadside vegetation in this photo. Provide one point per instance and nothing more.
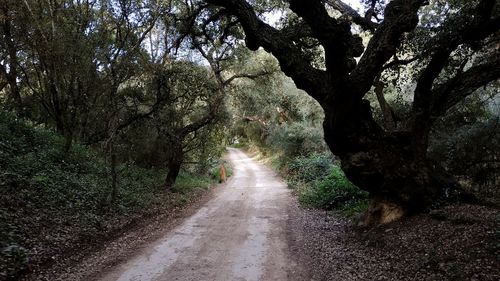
(317, 180)
(112, 111)
(286, 129)
(52, 203)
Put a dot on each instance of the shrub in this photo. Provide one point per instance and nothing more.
(187, 182)
(470, 152)
(334, 191)
(310, 168)
(296, 139)
(320, 183)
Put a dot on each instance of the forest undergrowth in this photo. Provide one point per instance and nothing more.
(52, 204)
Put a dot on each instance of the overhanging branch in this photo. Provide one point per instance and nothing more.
(292, 62)
(245, 75)
(400, 16)
(464, 84)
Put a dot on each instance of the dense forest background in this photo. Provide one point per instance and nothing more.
(116, 110)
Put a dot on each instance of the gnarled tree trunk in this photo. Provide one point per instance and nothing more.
(398, 178)
(392, 166)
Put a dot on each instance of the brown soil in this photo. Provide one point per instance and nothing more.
(459, 242)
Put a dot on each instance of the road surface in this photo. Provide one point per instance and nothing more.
(240, 234)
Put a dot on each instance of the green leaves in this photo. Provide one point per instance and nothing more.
(320, 183)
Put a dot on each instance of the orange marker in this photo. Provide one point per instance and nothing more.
(222, 174)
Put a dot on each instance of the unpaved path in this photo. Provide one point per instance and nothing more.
(241, 234)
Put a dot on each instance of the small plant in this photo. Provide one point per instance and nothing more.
(16, 258)
(310, 168)
(333, 192)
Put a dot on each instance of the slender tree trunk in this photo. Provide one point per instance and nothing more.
(68, 141)
(12, 75)
(174, 166)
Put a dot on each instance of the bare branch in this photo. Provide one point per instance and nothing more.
(246, 75)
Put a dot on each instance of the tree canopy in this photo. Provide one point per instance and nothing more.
(72, 64)
(451, 47)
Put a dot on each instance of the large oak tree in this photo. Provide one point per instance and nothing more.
(388, 161)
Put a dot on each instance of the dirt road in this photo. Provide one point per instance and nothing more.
(238, 235)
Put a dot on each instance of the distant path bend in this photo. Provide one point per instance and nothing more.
(238, 235)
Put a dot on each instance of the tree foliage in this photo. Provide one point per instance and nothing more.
(450, 46)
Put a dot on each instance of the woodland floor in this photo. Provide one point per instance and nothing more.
(458, 242)
(85, 260)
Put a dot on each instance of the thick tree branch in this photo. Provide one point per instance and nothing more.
(448, 94)
(107, 133)
(400, 16)
(478, 27)
(297, 31)
(398, 62)
(245, 75)
(334, 37)
(260, 34)
(422, 97)
(201, 122)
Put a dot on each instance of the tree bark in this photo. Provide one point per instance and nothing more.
(400, 182)
(174, 166)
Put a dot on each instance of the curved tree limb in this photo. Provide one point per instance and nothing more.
(260, 34)
(336, 38)
(478, 28)
(400, 16)
(448, 94)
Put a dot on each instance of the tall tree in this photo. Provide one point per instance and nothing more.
(193, 103)
(72, 58)
(9, 63)
(391, 164)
